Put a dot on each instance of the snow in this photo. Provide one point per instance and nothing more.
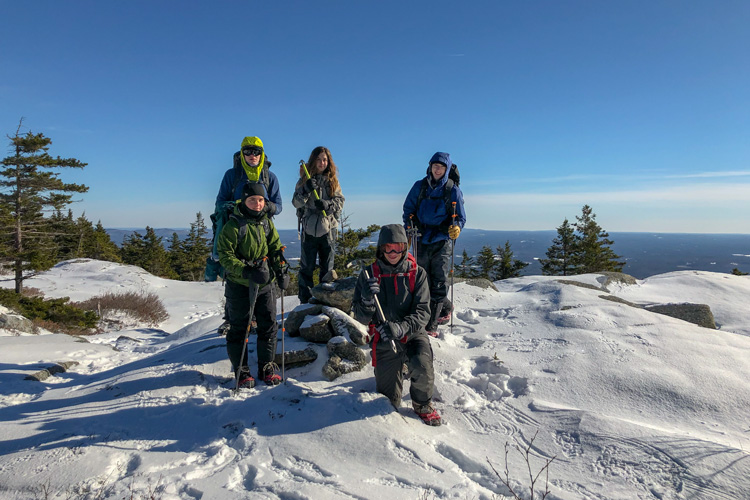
(632, 404)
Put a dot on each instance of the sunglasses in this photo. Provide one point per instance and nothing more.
(255, 151)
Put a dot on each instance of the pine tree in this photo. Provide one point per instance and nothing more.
(507, 266)
(101, 246)
(154, 257)
(28, 190)
(176, 254)
(486, 262)
(132, 249)
(561, 255)
(195, 249)
(64, 232)
(466, 268)
(593, 253)
(349, 248)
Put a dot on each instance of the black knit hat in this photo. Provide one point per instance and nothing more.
(254, 189)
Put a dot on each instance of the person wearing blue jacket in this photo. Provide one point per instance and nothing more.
(429, 206)
(250, 165)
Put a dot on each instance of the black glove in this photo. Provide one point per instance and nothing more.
(257, 272)
(310, 185)
(270, 208)
(370, 291)
(390, 331)
(322, 204)
(282, 279)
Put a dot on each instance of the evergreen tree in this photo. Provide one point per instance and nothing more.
(486, 262)
(349, 248)
(176, 254)
(132, 249)
(561, 255)
(593, 253)
(466, 268)
(64, 232)
(195, 249)
(29, 188)
(507, 266)
(101, 246)
(154, 258)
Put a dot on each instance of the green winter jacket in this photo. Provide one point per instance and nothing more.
(234, 254)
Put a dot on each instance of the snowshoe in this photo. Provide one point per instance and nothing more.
(246, 380)
(270, 376)
(428, 414)
(446, 316)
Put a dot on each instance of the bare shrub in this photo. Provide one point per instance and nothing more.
(123, 308)
(28, 291)
(533, 478)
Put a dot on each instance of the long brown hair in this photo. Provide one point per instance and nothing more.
(331, 171)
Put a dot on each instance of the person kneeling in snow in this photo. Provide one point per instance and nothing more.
(250, 251)
(401, 288)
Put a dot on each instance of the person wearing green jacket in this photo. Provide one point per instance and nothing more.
(250, 252)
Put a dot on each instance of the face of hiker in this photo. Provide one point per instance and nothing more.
(252, 155)
(438, 171)
(321, 163)
(255, 203)
(393, 252)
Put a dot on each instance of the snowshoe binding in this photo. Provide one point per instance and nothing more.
(270, 377)
(246, 381)
(428, 414)
(445, 317)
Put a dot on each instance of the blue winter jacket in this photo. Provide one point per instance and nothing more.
(432, 217)
(226, 194)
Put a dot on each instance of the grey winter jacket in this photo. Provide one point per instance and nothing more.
(411, 310)
(313, 222)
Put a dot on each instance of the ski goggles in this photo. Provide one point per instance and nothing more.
(393, 248)
(252, 151)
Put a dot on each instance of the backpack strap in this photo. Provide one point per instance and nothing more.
(242, 226)
(411, 274)
(447, 194)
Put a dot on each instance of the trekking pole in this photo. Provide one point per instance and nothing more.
(413, 235)
(381, 316)
(317, 196)
(251, 300)
(283, 329)
(453, 256)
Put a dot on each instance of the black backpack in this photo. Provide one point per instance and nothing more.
(454, 178)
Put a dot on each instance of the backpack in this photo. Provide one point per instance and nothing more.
(411, 273)
(454, 178)
(242, 226)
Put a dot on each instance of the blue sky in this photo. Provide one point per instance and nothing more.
(640, 109)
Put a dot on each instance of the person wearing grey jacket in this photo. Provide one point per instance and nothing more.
(399, 285)
(319, 202)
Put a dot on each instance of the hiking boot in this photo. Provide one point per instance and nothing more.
(433, 333)
(270, 377)
(428, 414)
(246, 381)
(224, 329)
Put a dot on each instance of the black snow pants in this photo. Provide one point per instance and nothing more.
(435, 258)
(417, 354)
(312, 248)
(238, 315)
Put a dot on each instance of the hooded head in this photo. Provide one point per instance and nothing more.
(253, 173)
(444, 158)
(392, 233)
